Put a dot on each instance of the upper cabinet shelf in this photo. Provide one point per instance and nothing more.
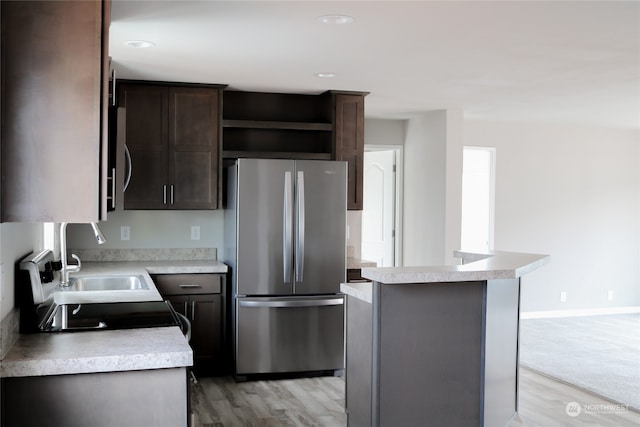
(261, 124)
(275, 107)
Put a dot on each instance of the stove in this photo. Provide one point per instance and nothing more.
(108, 316)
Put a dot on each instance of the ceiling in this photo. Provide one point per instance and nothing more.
(542, 61)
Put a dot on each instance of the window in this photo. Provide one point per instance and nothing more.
(478, 182)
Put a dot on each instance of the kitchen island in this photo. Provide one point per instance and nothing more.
(436, 345)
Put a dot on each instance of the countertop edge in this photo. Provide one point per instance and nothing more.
(360, 290)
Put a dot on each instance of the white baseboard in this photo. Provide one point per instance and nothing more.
(581, 312)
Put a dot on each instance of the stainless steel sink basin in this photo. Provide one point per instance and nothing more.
(108, 283)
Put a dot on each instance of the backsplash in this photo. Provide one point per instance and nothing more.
(163, 254)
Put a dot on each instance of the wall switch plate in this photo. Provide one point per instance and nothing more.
(125, 232)
(563, 296)
(195, 232)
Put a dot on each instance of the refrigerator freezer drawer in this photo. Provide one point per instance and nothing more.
(289, 334)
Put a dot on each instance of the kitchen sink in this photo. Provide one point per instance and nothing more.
(108, 283)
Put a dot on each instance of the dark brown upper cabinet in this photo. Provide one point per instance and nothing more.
(53, 106)
(172, 140)
(348, 139)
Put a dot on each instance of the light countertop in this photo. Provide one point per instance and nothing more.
(97, 351)
(355, 263)
(493, 265)
(360, 290)
(474, 267)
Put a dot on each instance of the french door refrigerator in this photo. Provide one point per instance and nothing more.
(285, 238)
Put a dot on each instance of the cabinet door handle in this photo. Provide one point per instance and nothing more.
(193, 310)
(129, 165)
(164, 194)
(113, 188)
(171, 193)
(113, 86)
(186, 286)
(186, 309)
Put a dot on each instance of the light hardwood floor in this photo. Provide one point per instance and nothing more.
(320, 402)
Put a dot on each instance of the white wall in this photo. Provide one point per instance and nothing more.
(152, 229)
(432, 187)
(574, 193)
(384, 132)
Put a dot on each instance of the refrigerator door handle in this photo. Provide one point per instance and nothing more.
(287, 228)
(300, 227)
(283, 303)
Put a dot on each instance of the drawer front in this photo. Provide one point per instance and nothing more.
(184, 284)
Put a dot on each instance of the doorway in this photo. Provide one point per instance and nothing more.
(478, 188)
(380, 213)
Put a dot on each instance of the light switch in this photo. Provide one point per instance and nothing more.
(125, 232)
(195, 232)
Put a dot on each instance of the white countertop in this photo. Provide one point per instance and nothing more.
(493, 265)
(97, 351)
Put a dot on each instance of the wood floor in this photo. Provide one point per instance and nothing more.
(320, 402)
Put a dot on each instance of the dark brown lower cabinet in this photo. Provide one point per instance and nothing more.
(154, 397)
(200, 298)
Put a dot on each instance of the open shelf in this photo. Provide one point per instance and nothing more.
(261, 124)
(276, 155)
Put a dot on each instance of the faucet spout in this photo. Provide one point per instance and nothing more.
(98, 234)
(66, 268)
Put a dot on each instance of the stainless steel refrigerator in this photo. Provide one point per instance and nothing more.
(285, 238)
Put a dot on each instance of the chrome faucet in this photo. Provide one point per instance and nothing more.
(66, 268)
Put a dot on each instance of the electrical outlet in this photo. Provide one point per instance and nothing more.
(195, 232)
(610, 295)
(563, 296)
(125, 232)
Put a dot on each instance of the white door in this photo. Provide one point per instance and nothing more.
(379, 207)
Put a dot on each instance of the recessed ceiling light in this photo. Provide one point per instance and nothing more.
(139, 44)
(325, 75)
(335, 19)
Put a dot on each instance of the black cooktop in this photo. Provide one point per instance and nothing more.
(120, 315)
